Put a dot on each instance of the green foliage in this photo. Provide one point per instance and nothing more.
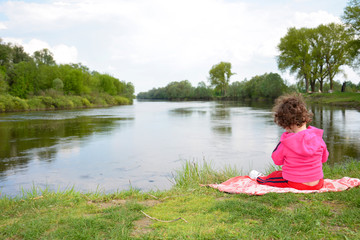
(315, 54)
(194, 173)
(351, 18)
(219, 76)
(29, 77)
(182, 90)
(54, 100)
(352, 15)
(58, 84)
(269, 85)
(44, 56)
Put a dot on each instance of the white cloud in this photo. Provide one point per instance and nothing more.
(2, 26)
(65, 54)
(62, 53)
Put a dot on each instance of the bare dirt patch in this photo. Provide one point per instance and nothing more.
(150, 203)
(141, 227)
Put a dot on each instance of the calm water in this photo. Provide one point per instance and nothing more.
(145, 143)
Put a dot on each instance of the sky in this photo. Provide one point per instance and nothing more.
(151, 43)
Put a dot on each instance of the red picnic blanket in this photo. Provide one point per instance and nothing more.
(244, 184)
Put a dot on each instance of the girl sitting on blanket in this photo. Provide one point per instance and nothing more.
(301, 150)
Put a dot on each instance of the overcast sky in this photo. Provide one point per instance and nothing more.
(153, 42)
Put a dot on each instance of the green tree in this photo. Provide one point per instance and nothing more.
(352, 15)
(336, 50)
(202, 91)
(58, 84)
(294, 54)
(3, 83)
(351, 18)
(44, 56)
(19, 54)
(220, 76)
(5, 54)
(315, 54)
(23, 79)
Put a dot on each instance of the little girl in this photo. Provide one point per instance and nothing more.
(301, 150)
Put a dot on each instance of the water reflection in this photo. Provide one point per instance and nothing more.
(24, 140)
(341, 131)
(186, 112)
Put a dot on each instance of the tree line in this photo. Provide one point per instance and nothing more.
(26, 77)
(268, 85)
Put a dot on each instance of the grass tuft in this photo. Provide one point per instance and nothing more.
(194, 173)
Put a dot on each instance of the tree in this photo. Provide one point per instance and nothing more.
(220, 76)
(58, 84)
(336, 50)
(351, 18)
(5, 54)
(352, 15)
(294, 54)
(202, 91)
(19, 54)
(314, 54)
(44, 56)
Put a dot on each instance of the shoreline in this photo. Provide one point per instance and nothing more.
(338, 99)
(10, 103)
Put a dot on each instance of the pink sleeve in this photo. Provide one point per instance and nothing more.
(278, 154)
(325, 153)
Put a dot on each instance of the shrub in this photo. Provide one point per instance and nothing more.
(48, 102)
(121, 100)
(85, 102)
(36, 104)
(20, 104)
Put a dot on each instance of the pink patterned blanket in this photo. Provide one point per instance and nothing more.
(244, 184)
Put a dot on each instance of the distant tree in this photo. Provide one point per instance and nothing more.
(351, 18)
(23, 79)
(19, 54)
(294, 54)
(58, 84)
(5, 54)
(179, 90)
(336, 49)
(220, 76)
(3, 83)
(202, 91)
(352, 15)
(44, 56)
(129, 90)
(237, 90)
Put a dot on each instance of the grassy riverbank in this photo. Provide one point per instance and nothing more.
(201, 213)
(347, 99)
(10, 103)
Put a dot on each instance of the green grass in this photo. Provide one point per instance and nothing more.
(210, 214)
(346, 99)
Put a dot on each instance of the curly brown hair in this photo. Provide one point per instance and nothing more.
(290, 110)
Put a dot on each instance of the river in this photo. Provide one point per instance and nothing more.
(142, 145)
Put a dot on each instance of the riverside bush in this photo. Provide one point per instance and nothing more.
(10, 103)
(35, 103)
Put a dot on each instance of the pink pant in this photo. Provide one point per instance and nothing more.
(275, 179)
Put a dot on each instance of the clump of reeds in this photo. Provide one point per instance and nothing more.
(193, 173)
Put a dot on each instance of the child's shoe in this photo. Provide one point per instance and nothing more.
(255, 174)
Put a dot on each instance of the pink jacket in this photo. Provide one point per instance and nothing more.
(301, 155)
